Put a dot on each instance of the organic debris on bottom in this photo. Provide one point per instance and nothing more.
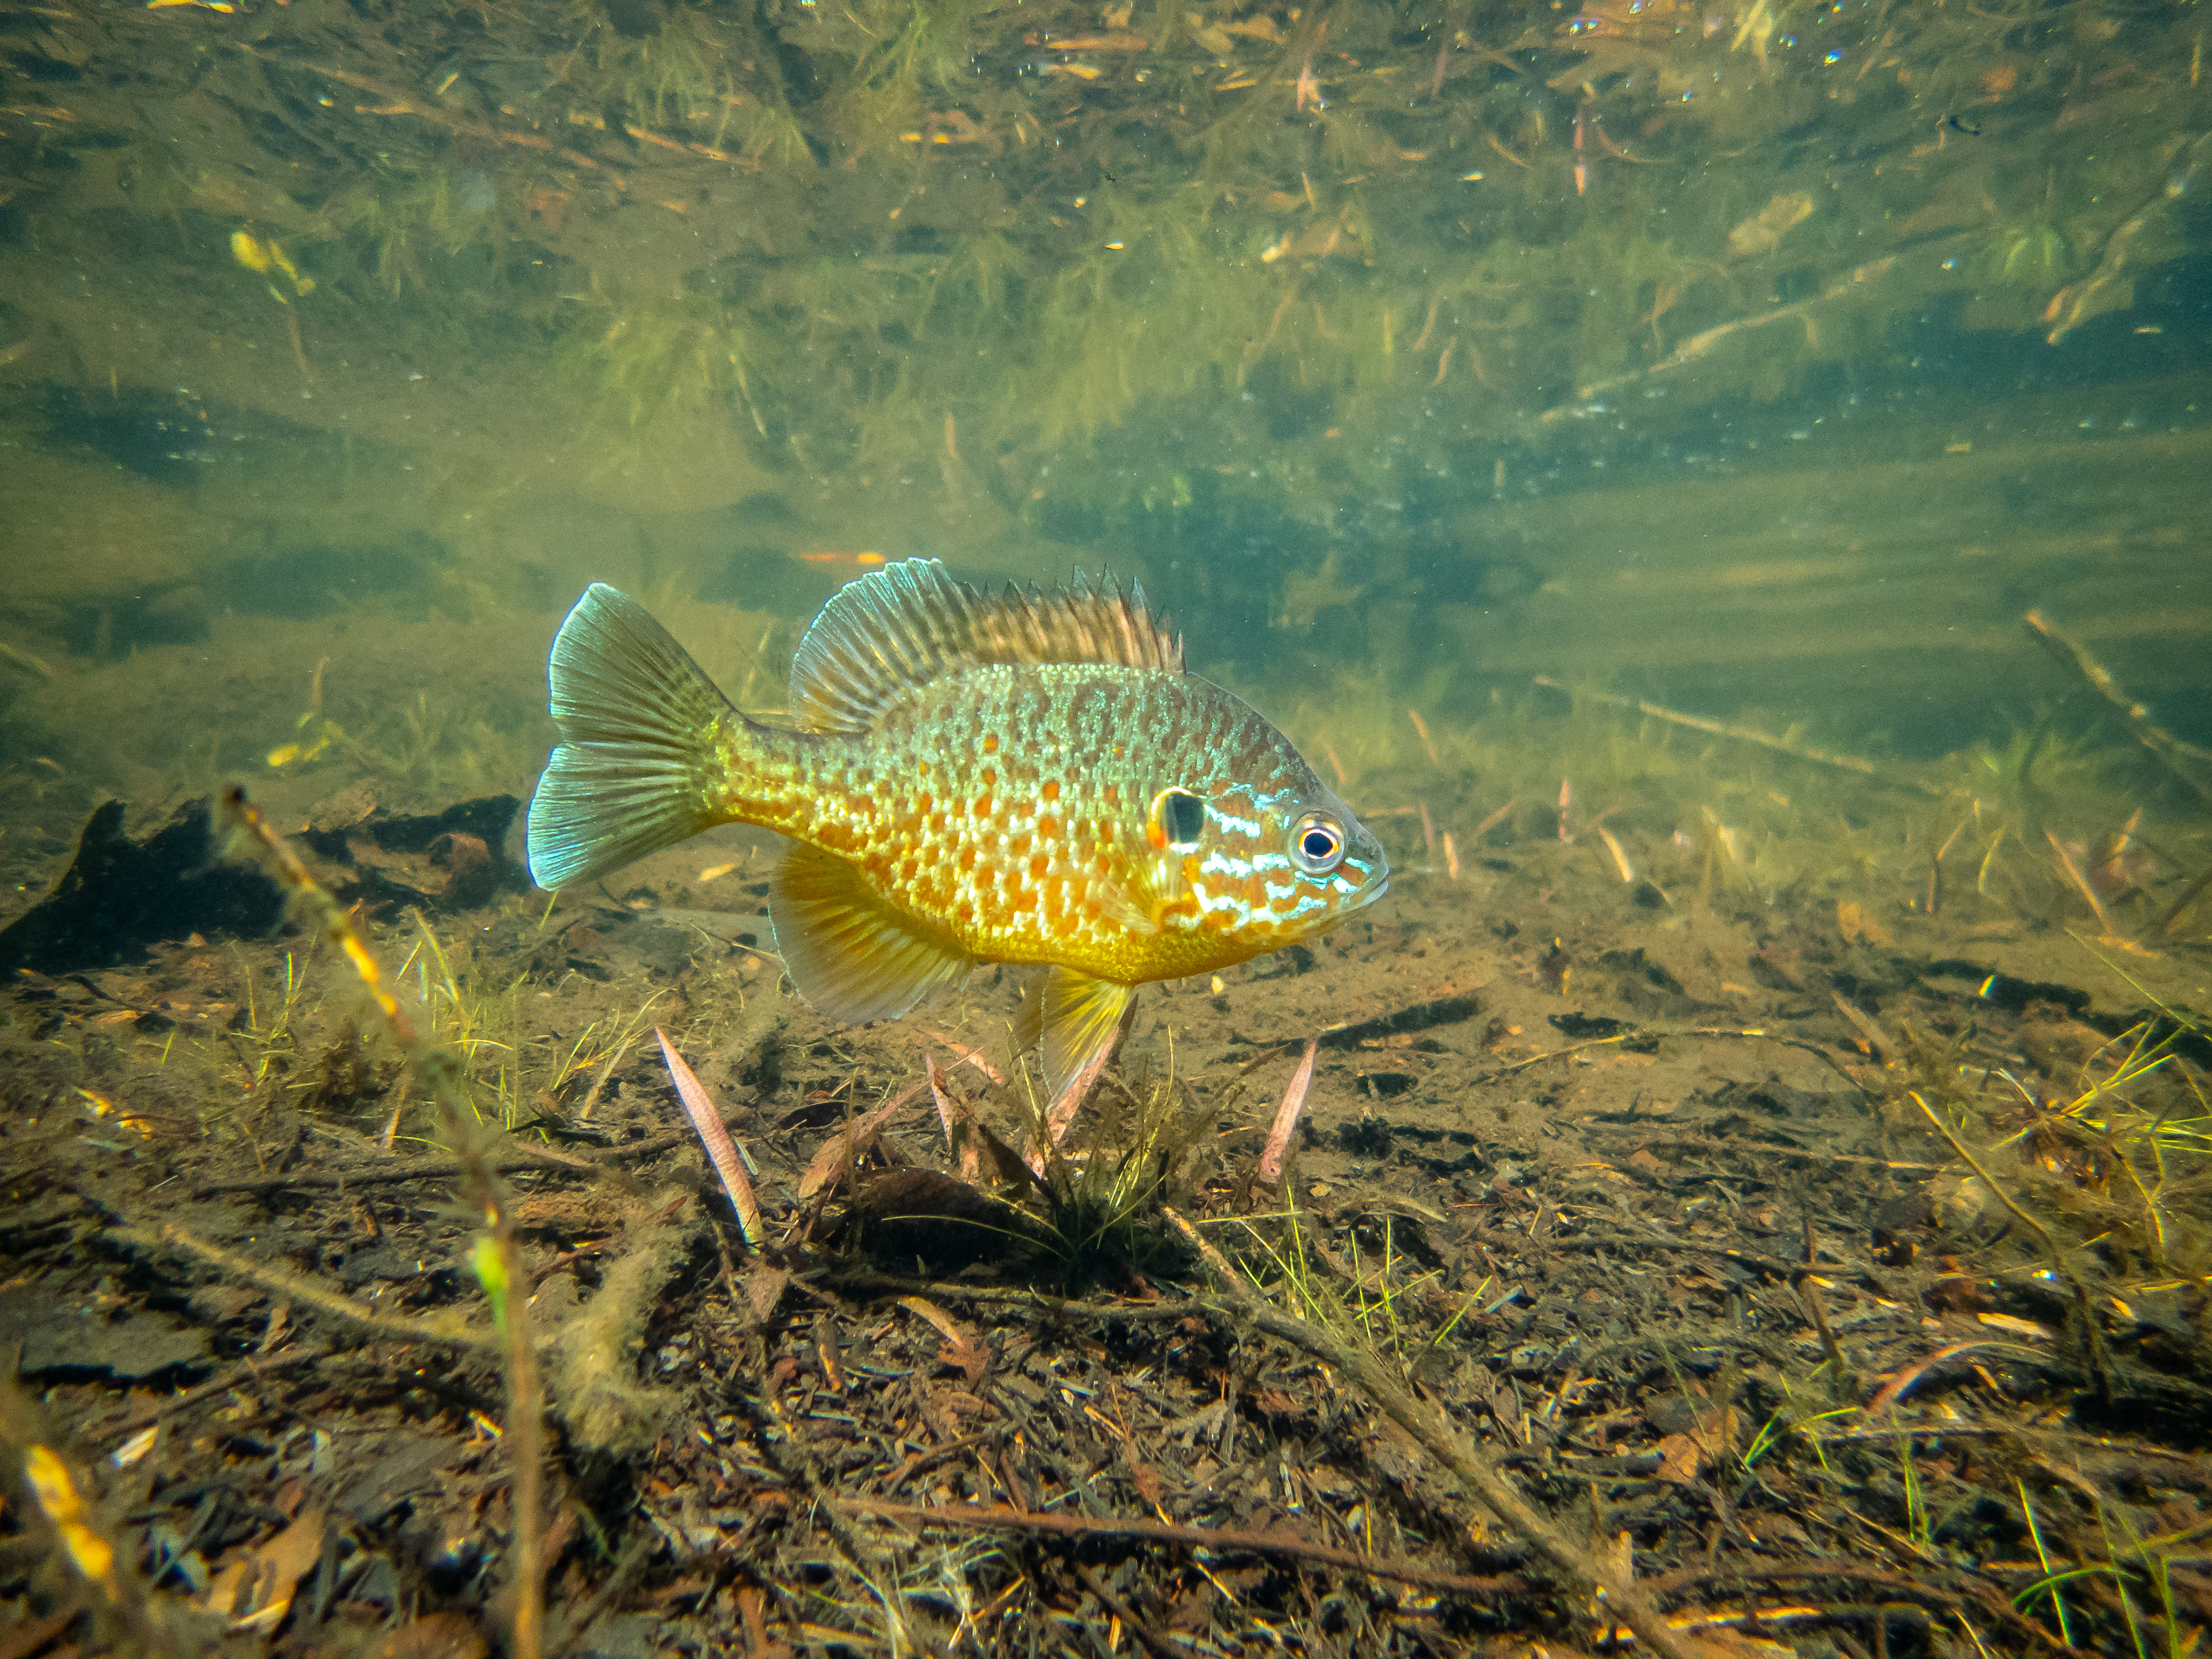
(1820, 1280)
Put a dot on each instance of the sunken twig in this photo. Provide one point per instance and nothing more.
(2184, 760)
(511, 1161)
(499, 1257)
(292, 1287)
(1718, 728)
(1475, 1470)
(998, 1517)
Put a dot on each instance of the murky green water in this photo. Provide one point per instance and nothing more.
(1766, 360)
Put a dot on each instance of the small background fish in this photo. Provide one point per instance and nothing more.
(968, 778)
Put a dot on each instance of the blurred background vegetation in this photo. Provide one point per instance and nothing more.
(1769, 358)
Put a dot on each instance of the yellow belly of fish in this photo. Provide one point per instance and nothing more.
(1030, 875)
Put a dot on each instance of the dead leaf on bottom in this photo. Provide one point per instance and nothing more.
(1680, 1459)
(962, 1347)
(1858, 925)
(254, 1590)
(764, 1290)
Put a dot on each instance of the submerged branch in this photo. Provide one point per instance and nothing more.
(2171, 751)
(1475, 1467)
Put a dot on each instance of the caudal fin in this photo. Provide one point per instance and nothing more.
(642, 729)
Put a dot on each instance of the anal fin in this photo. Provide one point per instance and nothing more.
(852, 956)
(1082, 1018)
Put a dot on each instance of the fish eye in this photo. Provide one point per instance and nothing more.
(1179, 817)
(1316, 844)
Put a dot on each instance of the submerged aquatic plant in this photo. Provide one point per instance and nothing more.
(669, 357)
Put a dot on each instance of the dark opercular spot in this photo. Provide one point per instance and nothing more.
(1182, 817)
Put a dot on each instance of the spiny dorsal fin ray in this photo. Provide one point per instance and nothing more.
(897, 628)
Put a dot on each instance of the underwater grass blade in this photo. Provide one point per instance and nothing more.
(721, 1150)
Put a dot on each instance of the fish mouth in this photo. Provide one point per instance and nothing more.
(1369, 895)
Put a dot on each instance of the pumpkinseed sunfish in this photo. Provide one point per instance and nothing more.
(1021, 778)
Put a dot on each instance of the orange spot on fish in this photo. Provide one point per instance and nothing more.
(842, 560)
(982, 806)
(1038, 865)
(1051, 790)
(990, 743)
(1048, 827)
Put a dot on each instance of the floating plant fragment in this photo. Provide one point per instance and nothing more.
(721, 1150)
(1286, 1115)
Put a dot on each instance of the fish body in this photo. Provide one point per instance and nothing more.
(967, 778)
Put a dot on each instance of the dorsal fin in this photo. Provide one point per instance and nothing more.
(901, 627)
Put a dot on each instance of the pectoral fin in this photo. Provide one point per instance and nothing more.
(1151, 883)
(852, 956)
(1082, 1018)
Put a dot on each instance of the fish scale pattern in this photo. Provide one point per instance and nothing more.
(1004, 810)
